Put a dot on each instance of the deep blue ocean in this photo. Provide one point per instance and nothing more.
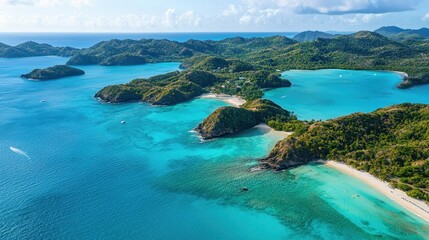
(87, 176)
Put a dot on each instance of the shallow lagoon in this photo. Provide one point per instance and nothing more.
(330, 93)
(91, 177)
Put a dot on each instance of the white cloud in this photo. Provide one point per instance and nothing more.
(355, 19)
(82, 22)
(231, 10)
(426, 17)
(170, 17)
(80, 3)
(245, 19)
(336, 6)
(16, 2)
(266, 15)
(46, 3)
(189, 18)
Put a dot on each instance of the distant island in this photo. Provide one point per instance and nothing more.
(55, 72)
(308, 51)
(33, 49)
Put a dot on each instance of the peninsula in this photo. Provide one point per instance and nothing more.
(391, 143)
(231, 120)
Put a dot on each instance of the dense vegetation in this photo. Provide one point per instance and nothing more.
(225, 121)
(125, 52)
(205, 74)
(230, 120)
(400, 34)
(309, 36)
(55, 72)
(362, 50)
(390, 143)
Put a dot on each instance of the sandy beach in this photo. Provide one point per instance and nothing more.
(273, 132)
(236, 101)
(417, 207)
(404, 75)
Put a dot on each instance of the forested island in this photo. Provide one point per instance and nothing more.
(55, 72)
(362, 50)
(207, 74)
(230, 120)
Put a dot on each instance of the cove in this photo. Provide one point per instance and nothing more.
(331, 93)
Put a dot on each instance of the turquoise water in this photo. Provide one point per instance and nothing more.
(325, 94)
(90, 177)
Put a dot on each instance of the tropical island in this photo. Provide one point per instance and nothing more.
(230, 120)
(389, 143)
(207, 74)
(55, 72)
(378, 50)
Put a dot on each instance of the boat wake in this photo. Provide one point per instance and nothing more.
(19, 151)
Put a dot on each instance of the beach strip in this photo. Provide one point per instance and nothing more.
(273, 132)
(234, 100)
(419, 208)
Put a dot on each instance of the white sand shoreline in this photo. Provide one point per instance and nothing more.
(404, 75)
(237, 101)
(415, 206)
(273, 132)
(234, 100)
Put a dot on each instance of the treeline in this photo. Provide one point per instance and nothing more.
(390, 143)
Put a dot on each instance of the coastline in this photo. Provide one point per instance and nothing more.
(234, 100)
(419, 208)
(404, 75)
(273, 132)
(237, 101)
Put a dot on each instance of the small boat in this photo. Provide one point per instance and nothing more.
(356, 195)
(123, 122)
(42, 101)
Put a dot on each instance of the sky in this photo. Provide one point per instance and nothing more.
(209, 16)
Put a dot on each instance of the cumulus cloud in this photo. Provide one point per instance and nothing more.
(169, 17)
(46, 3)
(231, 10)
(426, 17)
(337, 7)
(189, 18)
(80, 3)
(16, 2)
(78, 21)
(245, 19)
